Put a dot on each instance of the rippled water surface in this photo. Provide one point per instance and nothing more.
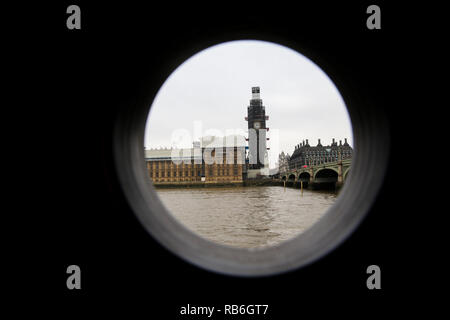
(247, 216)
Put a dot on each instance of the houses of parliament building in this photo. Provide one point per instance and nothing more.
(215, 159)
(210, 160)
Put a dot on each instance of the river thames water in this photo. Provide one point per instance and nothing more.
(247, 217)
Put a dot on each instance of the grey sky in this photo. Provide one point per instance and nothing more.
(214, 87)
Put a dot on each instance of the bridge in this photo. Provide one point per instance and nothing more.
(329, 173)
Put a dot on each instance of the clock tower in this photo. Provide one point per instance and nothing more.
(256, 117)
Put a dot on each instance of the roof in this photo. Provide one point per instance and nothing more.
(218, 142)
(164, 153)
(188, 153)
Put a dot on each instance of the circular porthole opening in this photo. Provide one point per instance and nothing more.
(215, 186)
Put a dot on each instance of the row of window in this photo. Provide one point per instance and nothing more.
(313, 161)
(169, 165)
(168, 173)
(236, 178)
(191, 173)
(326, 158)
(182, 168)
(333, 152)
(223, 172)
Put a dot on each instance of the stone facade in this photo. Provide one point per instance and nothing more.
(304, 154)
(210, 164)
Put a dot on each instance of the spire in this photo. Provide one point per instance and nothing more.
(255, 93)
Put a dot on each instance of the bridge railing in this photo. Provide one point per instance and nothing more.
(320, 162)
(347, 161)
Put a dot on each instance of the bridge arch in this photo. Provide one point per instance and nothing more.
(325, 171)
(283, 178)
(304, 176)
(291, 177)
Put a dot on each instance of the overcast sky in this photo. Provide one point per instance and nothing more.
(213, 88)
